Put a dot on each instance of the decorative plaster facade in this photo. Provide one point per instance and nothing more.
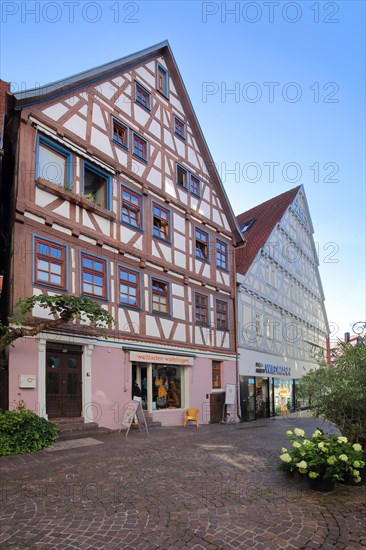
(282, 321)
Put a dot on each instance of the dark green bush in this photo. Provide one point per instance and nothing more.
(22, 431)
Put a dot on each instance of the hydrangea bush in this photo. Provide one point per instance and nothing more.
(330, 457)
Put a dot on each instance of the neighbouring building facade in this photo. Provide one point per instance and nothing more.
(117, 199)
(282, 322)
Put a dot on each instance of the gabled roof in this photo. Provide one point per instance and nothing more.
(55, 89)
(263, 219)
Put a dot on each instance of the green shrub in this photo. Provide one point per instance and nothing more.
(22, 431)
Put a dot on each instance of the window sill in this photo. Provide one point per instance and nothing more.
(92, 297)
(147, 109)
(69, 195)
(131, 226)
(51, 287)
(140, 158)
(163, 94)
(124, 147)
(164, 315)
(129, 306)
(202, 260)
(196, 195)
(179, 136)
(163, 241)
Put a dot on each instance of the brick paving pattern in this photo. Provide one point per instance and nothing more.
(215, 487)
(74, 443)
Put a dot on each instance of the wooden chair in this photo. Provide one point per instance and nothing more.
(191, 415)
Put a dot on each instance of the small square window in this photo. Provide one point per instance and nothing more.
(179, 128)
(131, 212)
(49, 263)
(160, 297)
(182, 177)
(201, 309)
(140, 147)
(162, 80)
(120, 133)
(222, 255)
(129, 287)
(222, 320)
(201, 244)
(195, 185)
(93, 276)
(96, 185)
(142, 96)
(161, 223)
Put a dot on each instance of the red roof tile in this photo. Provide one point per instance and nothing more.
(266, 216)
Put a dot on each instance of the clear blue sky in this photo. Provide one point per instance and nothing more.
(298, 72)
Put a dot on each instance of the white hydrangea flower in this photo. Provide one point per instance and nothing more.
(285, 457)
(299, 432)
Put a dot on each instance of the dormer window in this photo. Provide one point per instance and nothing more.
(247, 225)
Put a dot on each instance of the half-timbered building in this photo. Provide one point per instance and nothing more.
(282, 322)
(118, 199)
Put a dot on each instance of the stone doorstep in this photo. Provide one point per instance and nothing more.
(77, 428)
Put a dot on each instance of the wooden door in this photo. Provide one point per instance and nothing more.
(217, 401)
(63, 384)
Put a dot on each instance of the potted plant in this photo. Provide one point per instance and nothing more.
(323, 459)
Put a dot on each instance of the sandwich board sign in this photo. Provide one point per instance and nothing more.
(133, 409)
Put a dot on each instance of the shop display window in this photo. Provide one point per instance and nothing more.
(166, 387)
(283, 400)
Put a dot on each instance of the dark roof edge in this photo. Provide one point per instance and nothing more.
(43, 92)
(53, 89)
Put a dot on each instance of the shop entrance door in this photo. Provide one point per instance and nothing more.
(63, 383)
(261, 398)
(139, 373)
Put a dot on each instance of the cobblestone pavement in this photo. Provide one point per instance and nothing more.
(215, 487)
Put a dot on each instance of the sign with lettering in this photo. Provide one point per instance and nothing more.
(277, 370)
(134, 412)
(144, 357)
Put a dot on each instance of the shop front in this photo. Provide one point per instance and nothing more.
(268, 385)
(164, 382)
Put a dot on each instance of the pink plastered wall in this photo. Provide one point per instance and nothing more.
(200, 386)
(23, 359)
(111, 375)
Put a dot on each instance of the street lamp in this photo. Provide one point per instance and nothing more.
(358, 329)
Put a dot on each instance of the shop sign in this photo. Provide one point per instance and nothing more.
(277, 370)
(144, 357)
